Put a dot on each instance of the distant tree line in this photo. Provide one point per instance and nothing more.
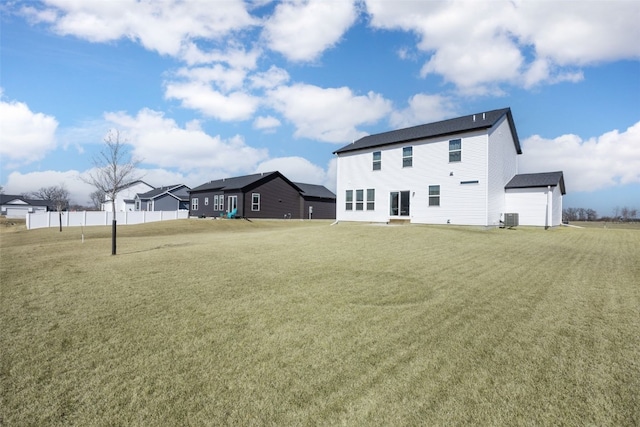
(623, 214)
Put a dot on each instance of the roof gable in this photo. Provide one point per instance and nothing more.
(454, 126)
(176, 190)
(239, 182)
(533, 180)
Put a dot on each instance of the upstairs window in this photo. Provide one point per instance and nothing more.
(255, 202)
(455, 150)
(359, 200)
(349, 200)
(377, 160)
(407, 157)
(371, 199)
(434, 195)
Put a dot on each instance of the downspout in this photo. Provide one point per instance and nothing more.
(546, 226)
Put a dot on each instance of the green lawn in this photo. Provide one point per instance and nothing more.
(203, 322)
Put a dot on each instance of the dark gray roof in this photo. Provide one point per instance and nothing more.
(236, 183)
(446, 127)
(6, 198)
(174, 190)
(242, 182)
(531, 180)
(313, 190)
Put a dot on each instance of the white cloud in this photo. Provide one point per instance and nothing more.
(167, 27)
(270, 79)
(225, 78)
(329, 115)
(423, 108)
(200, 96)
(593, 164)
(26, 136)
(160, 141)
(18, 183)
(522, 43)
(302, 30)
(296, 169)
(266, 123)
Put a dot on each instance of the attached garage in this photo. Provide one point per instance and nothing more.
(536, 198)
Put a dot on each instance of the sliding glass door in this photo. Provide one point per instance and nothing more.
(399, 203)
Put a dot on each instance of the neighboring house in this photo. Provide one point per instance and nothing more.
(13, 206)
(261, 195)
(457, 171)
(125, 198)
(168, 198)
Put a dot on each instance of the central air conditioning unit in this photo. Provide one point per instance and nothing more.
(511, 220)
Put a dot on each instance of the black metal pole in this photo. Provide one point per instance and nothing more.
(113, 237)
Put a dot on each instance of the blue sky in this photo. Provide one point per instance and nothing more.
(206, 90)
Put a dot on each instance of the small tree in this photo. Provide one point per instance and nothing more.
(113, 170)
(57, 196)
(97, 198)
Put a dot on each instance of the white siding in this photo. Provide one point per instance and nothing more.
(503, 165)
(459, 203)
(536, 206)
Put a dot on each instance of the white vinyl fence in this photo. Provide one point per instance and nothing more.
(84, 218)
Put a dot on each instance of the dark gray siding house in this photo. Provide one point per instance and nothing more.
(262, 195)
(168, 198)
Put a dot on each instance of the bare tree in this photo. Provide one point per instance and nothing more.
(57, 196)
(97, 199)
(114, 169)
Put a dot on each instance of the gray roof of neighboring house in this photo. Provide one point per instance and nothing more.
(458, 125)
(313, 190)
(532, 180)
(6, 198)
(174, 190)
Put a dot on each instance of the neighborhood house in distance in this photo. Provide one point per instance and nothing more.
(262, 195)
(140, 196)
(458, 171)
(13, 206)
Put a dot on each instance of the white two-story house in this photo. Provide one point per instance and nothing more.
(458, 171)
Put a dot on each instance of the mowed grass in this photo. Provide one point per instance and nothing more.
(202, 322)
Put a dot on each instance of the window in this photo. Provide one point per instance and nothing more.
(455, 150)
(407, 157)
(349, 200)
(255, 202)
(434, 195)
(221, 202)
(194, 204)
(206, 201)
(215, 203)
(371, 199)
(377, 161)
(137, 205)
(359, 200)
